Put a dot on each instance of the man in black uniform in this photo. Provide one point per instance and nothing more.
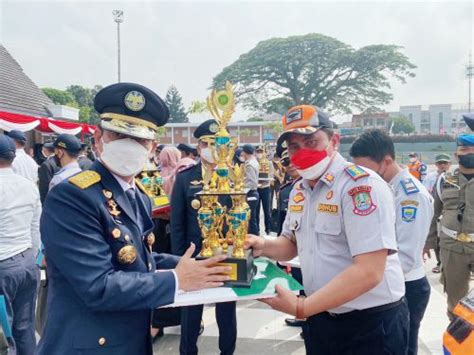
(185, 230)
(47, 170)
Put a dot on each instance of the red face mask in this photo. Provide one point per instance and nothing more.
(305, 158)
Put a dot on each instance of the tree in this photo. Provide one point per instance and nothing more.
(198, 107)
(255, 119)
(84, 97)
(175, 105)
(59, 97)
(402, 124)
(315, 69)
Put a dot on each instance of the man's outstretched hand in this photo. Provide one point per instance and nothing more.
(255, 243)
(199, 274)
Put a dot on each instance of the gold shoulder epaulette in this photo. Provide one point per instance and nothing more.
(85, 179)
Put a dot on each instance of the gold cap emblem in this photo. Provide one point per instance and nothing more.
(116, 233)
(127, 254)
(134, 100)
(195, 204)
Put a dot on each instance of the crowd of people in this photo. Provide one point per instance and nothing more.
(361, 230)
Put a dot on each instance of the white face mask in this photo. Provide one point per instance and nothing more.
(259, 155)
(314, 172)
(206, 154)
(124, 157)
(412, 160)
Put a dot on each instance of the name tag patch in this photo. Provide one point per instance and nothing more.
(328, 208)
(296, 208)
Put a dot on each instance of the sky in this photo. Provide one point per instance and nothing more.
(187, 43)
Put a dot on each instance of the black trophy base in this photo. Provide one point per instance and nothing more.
(243, 269)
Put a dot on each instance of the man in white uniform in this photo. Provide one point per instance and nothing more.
(20, 210)
(66, 151)
(23, 164)
(374, 149)
(341, 224)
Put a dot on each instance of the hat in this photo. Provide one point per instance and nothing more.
(469, 119)
(304, 119)
(413, 154)
(260, 149)
(160, 147)
(465, 139)
(131, 109)
(17, 135)
(442, 158)
(207, 128)
(7, 147)
(48, 145)
(248, 148)
(187, 148)
(68, 142)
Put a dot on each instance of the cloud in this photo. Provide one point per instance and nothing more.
(187, 43)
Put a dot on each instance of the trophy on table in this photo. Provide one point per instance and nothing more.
(224, 228)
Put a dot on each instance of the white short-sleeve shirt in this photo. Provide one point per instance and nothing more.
(414, 212)
(349, 212)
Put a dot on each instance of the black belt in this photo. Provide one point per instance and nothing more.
(364, 312)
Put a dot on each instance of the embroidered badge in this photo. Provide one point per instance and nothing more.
(294, 115)
(296, 208)
(329, 195)
(409, 186)
(356, 172)
(409, 213)
(299, 197)
(134, 100)
(363, 204)
(327, 208)
(329, 177)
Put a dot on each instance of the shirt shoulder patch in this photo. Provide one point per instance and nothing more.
(362, 200)
(85, 179)
(409, 186)
(355, 172)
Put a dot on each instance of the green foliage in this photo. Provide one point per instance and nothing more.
(175, 105)
(59, 97)
(79, 97)
(315, 69)
(198, 107)
(276, 127)
(402, 125)
(255, 119)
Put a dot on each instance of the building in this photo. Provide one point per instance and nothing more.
(18, 93)
(255, 133)
(433, 119)
(380, 120)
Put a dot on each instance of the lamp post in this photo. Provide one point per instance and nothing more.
(118, 18)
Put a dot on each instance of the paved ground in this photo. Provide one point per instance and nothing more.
(262, 331)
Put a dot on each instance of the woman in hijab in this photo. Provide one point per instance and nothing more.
(169, 158)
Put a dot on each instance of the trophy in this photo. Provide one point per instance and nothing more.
(264, 163)
(224, 228)
(151, 183)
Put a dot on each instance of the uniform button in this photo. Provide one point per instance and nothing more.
(127, 238)
(102, 341)
(149, 267)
